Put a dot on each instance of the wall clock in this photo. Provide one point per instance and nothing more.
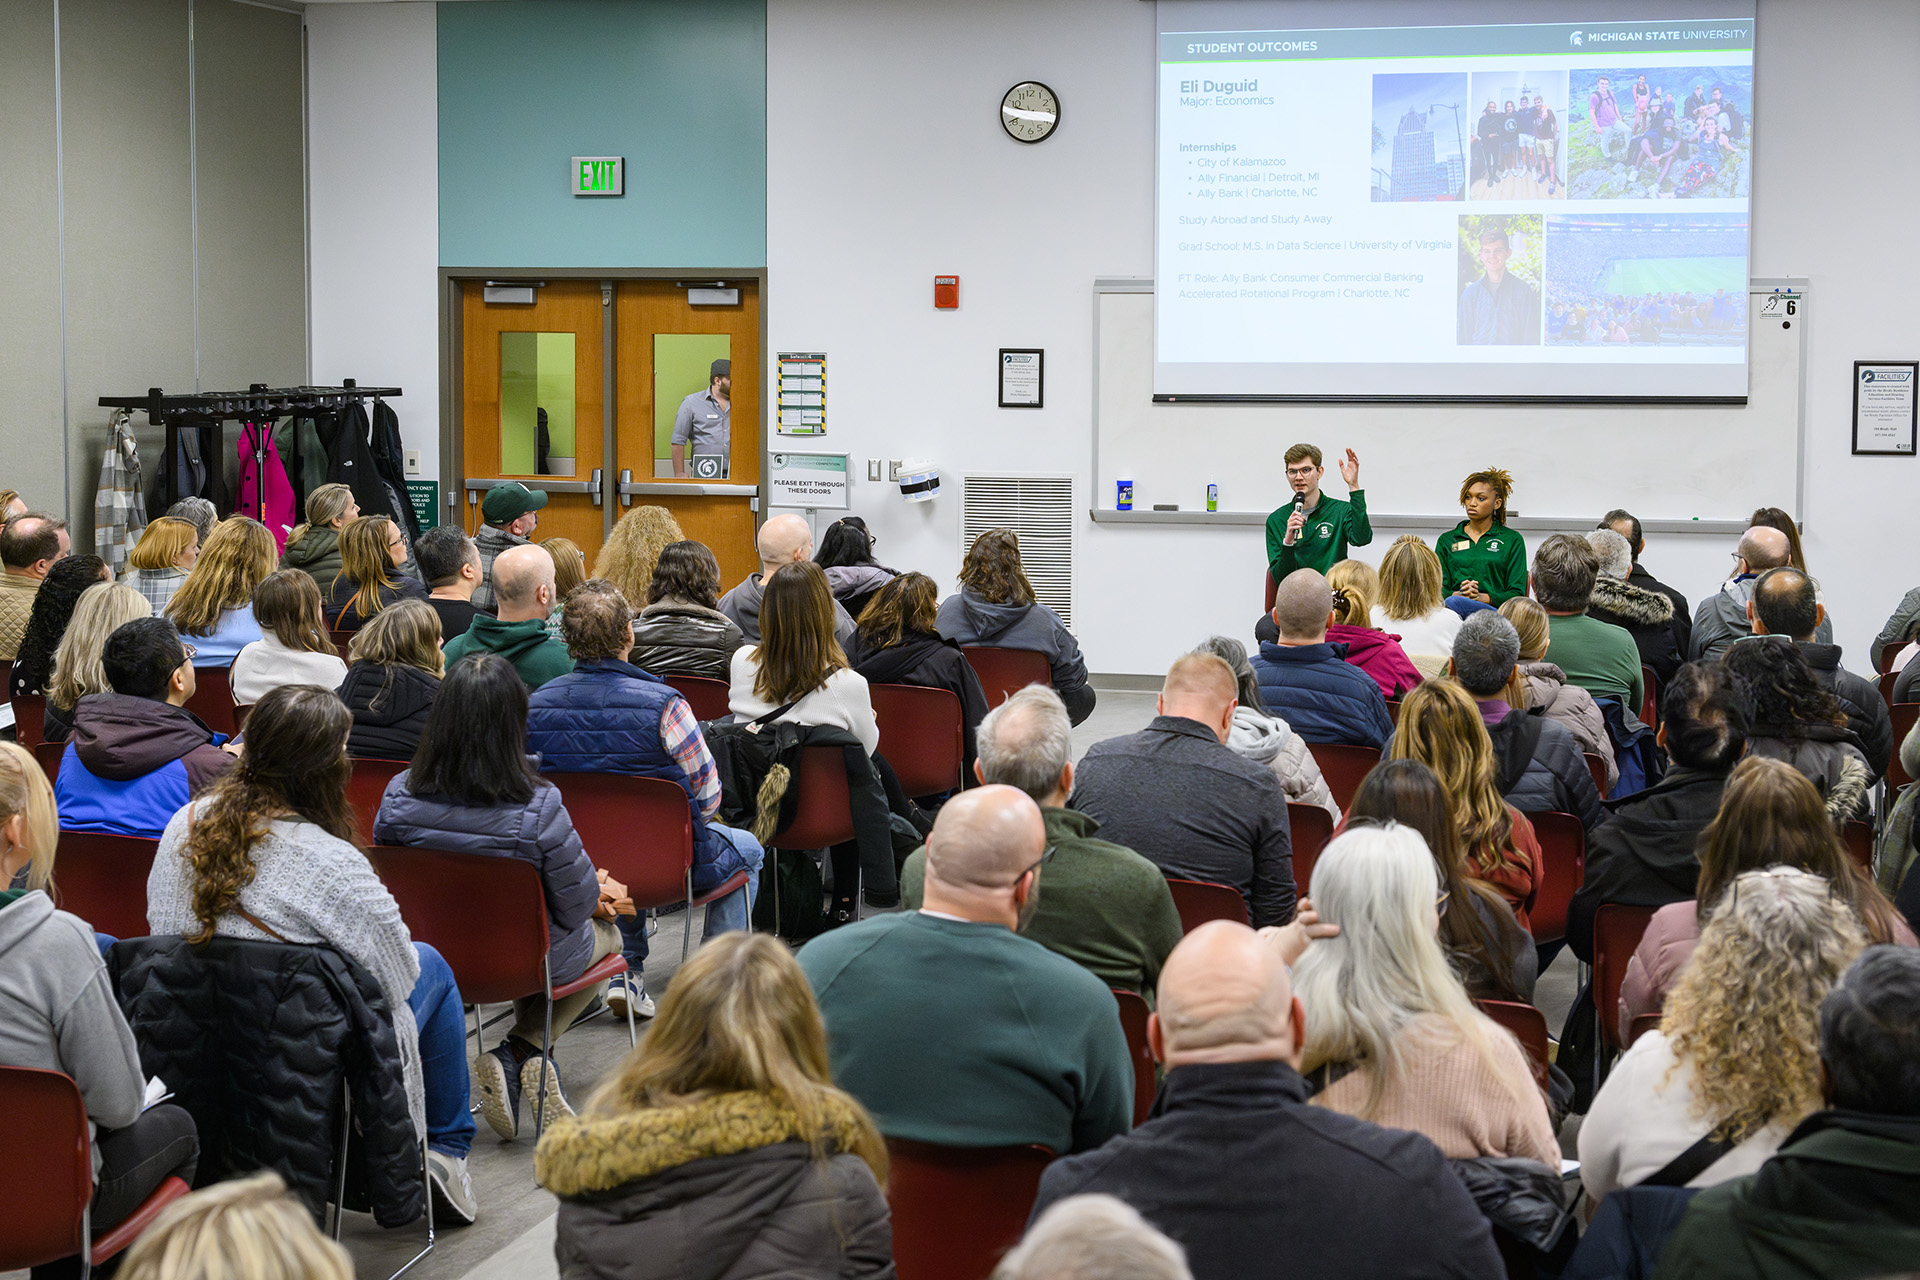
(1030, 112)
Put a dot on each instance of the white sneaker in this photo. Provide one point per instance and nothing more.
(629, 987)
(453, 1199)
(531, 1075)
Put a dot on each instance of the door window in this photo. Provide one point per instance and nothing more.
(537, 404)
(682, 364)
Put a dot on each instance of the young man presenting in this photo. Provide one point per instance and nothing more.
(1314, 531)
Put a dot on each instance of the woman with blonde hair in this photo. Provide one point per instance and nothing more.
(569, 571)
(1735, 1064)
(213, 608)
(393, 681)
(628, 556)
(997, 607)
(681, 631)
(1391, 1036)
(372, 549)
(314, 546)
(293, 648)
(1413, 604)
(1355, 587)
(723, 1137)
(245, 1227)
(1547, 690)
(1481, 559)
(101, 610)
(1440, 726)
(160, 561)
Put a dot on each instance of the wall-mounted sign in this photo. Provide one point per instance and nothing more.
(803, 394)
(808, 480)
(599, 176)
(425, 497)
(1886, 406)
(1021, 377)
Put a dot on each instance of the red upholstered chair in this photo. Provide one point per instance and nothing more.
(488, 916)
(342, 640)
(922, 735)
(212, 699)
(708, 698)
(240, 714)
(1563, 853)
(1006, 671)
(1902, 714)
(47, 755)
(103, 880)
(1345, 767)
(1199, 901)
(1650, 703)
(640, 832)
(365, 787)
(1393, 711)
(1885, 684)
(1887, 654)
(956, 1210)
(29, 719)
(1598, 768)
(1641, 1025)
(1310, 827)
(1133, 1021)
(1272, 589)
(822, 817)
(1859, 838)
(46, 1181)
(1529, 1027)
(1616, 934)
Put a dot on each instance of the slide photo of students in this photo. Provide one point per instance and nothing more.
(1420, 127)
(1660, 133)
(1518, 135)
(1645, 278)
(1500, 277)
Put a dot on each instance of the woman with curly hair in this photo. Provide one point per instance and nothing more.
(214, 607)
(1355, 587)
(996, 606)
(1481, 560)
(1412, 604)
(1797, 719)
(53, 606)
(682, 632)
(1735, 1064)
(629, 555)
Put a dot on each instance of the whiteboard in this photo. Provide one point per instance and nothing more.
(1677, 467)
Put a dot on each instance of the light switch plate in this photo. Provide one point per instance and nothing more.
(873, 468)
(413, 462)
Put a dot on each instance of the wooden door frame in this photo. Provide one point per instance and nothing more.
(452, 356)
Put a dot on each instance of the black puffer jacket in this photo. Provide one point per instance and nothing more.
(680, 638)
(1553, 779)
(255, 1038)
(924, 659)
(1867, 715)
(390, 706)
(1648, 617)
(1643, 855)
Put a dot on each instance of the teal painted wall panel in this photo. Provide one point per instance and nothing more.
(677, 87)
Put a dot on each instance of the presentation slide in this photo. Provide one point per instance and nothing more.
(1481, 200)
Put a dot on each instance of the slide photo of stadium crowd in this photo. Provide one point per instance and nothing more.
(1662, 133)
(1420, 133)
(1500, 276)
(1646, 278)
(1516, 136)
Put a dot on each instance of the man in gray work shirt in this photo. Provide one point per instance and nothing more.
(705, 420)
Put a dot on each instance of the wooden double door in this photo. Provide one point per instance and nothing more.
(575, 391)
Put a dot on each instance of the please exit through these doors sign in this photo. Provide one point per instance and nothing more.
(599, 176)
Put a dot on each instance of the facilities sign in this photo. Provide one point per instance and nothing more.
(1884, 406)
(809, 480)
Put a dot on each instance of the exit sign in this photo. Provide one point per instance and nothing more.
(599, 176)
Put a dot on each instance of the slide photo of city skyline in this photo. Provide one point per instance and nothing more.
(1420, 128)
(1518, 127)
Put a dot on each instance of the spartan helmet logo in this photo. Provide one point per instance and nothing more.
(1577, 39)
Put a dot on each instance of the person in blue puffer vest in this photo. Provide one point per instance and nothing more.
(609, 716)
(137, 755)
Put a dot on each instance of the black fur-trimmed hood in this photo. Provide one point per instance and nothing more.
(1635, 605)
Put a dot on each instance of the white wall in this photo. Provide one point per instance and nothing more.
(374, 207)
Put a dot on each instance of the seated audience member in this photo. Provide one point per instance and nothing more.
(1093, 1237)
(200, 512)
(1265, 738)
(1034, 1054)
(723, 1137)
(846, 553)
(1643, 854)
(1732, 1069)
(30, 545)
(1784, 603)
(996, 607)
(372, 549)
(609, 716)
(214, 607)
(1355, 585)
(1106, 908)
(242, 1227)
(269, 855)
(1645, 615)
(1598, 656)
(1241, 1169)
(1722, 617)
(11, 504)
(1841, 1197)
(899, 642)
(103, 608)
(682, 632)
(569, 571)
(1391, 1036)
(631, 553)
(137, 755)
(523, 585)
(472, 789)
(1440, 726)
(1413, 605)
(293, 648)
(1184, 800)
(782, 540)
(313, 547)
(450, 566)
(797, 660)
(1795, 719)
(1770, 816)
(393, 682)
(1482, 560)
(1775, 518)
(1627, 525)
(1493, 956)
(160, 561)
(1898, 633)
(1906, 685)
(1537, 764)
(1547, 689)
(58, 1012)
(53, 607)
(1304, 680)
(509, 513)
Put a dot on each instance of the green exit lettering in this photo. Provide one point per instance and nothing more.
(596, 176)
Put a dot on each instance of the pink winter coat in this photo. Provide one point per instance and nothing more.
(275, 508)
(1378, 653)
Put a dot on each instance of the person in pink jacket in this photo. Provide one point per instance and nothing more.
(1378, 653)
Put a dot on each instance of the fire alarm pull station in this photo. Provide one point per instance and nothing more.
(946, 293)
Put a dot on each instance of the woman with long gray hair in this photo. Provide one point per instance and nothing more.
(1261, 736)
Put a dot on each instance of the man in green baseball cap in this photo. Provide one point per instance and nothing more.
(512, 512)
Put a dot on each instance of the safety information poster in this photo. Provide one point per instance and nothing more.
(803, 394)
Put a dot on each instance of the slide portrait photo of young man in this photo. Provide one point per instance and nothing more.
(1500, 275)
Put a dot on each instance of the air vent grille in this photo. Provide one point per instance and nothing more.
(1039, 508)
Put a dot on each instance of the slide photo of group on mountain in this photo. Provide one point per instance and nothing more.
(1641, 278)
(1660, 133)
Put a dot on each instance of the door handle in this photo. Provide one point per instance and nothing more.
(626, 478)
(596, 486)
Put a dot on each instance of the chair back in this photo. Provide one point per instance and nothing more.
(1859, 838)
(342, 640)
(46, 1181)
(1310, 827)
(1271, 590)
(637, 830)
(240, 714)
(1004, 672)
(1617, 930)
(487, 915)
(1885, 684)
(1393, 711)
(1563, 869)
(824, 814)
(1529, 1027)
(1650, 703)
(956, 1210)
(30, 719)
(1133, 1021)
(1888, 653)
(1902, 714)
(212, 699)
(1641, 1025)
(365, 787)
(1598, 768)
(48, 755)
(1345, 767)
(922, 735)
(1199, 901)
(103, 880)
(709, 698)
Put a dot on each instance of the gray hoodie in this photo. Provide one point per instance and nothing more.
(742, 604)
(57, 1011)
(969, 620)
(1721, 619)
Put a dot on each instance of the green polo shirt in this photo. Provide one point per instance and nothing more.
(1598, 656)
(1331, 527)
(1498, 561)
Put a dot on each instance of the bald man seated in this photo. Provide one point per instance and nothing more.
(1307, 681)
(523, 589)
(950, 1027)
(1177, 795)
(1241, 1170)
(1723, 617)
(785, 539)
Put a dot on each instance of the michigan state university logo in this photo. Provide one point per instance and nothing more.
(1326, 531)
(1493, 544)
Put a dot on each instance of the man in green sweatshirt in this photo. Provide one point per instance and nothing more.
(523, 586)
(1314, 531)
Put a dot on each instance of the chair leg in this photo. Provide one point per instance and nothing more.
(686, 934)
(633, 1034)
(86, 1241)
(340, 1161)
(546, 1062)
(426, 1184)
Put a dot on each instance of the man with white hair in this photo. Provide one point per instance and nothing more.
(1627, 525)
(1645, 615)
(523, 588)
(1240, 1169)
(785, 539)
(1308, 682)
(1722, 617)
(1093, 1238)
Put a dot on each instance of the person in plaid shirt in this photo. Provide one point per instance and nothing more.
(159, 563)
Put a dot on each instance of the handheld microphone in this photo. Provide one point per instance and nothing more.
(1299, 502)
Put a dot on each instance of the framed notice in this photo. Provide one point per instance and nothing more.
(1022, 377)
(1884, 406)
(802, 397)
(809, 480)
